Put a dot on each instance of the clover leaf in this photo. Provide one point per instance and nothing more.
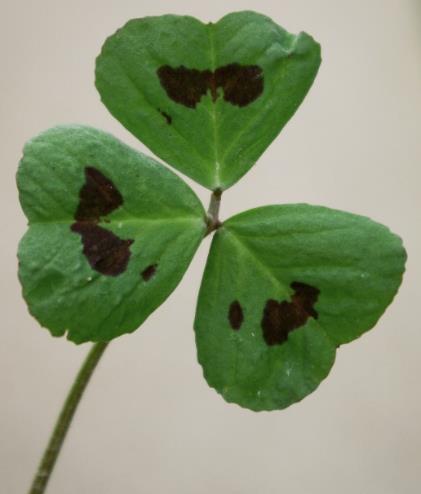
(283, 287)
(206, 98)
(111, 233)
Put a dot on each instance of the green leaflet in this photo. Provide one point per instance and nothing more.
(111, 233)
(206, 98)
(283, 287)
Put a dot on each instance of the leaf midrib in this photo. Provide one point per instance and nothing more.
(212, 111)
(263, 267)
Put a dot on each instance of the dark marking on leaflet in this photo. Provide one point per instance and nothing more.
(149, 272)
(241, 84)
(97, 197)
(106, 252)
(167, 117)
(280, 318)
(235, 315)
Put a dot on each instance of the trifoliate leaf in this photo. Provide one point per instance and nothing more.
(283, 287)
(111, 233)
(206, 98)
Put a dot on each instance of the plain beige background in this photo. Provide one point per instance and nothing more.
(149, 423)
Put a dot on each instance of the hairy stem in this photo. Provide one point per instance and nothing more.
(213, 211)
(64, 420)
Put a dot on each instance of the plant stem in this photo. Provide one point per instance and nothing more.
(64, 420)
(213, 211)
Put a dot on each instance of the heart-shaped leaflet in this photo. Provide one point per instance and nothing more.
(283, 287)
(111, 233)
(206, 98)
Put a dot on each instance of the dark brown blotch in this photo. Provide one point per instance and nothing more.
(167, 117)
(97, 197)
(235, 315)
(183, 85)
(106, 253)
(280, 318)
(241, 84)
(148, 272)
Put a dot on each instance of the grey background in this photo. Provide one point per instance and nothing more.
(149, 423)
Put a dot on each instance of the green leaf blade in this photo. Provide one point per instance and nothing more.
(105, 282)
(216, 139)
(269, 260)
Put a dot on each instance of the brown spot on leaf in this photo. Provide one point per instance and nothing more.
(106, 253)
(183, 85)
(280, 318)
(98, 196)
(167, 117)
(148, 272)
(235, 315)
(241, 84)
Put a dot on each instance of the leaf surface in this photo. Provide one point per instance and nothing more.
(111, 233)
(283, 287)
(206, 98)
